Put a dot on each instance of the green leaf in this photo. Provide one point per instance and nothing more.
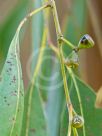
(37, 32)
(11, 92)
(36, 119)
(92, 116)
(55, 100)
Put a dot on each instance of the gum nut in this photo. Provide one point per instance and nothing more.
(77, 121)
(86, 42)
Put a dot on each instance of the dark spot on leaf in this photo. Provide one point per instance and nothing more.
(13, 55)
(32, 130)
(8, 104)
(10, 69)
(8, 72)
(14, 78)
(13, 118)
(8, 62)
(14, 93)
(4, 97)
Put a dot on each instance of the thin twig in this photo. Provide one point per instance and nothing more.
(75, 132)
(68, 43)
(31, 14)
(59, 35)
(78, 94)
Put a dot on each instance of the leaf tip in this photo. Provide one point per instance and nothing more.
(98, 103)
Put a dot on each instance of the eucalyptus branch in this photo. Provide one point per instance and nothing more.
(68, 43)
(59, 35)
(69, 105)
(56, 20)
(58, 32)
(77, 90)
(33, 13)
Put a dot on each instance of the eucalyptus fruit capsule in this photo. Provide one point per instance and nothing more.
(85, 42)
(77, 121)
(72, 60)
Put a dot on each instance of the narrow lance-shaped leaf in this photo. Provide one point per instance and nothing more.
(55, 100)
(92, 116)
(37, 31)
(11, 92)
(34, 122)
(37, 27)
